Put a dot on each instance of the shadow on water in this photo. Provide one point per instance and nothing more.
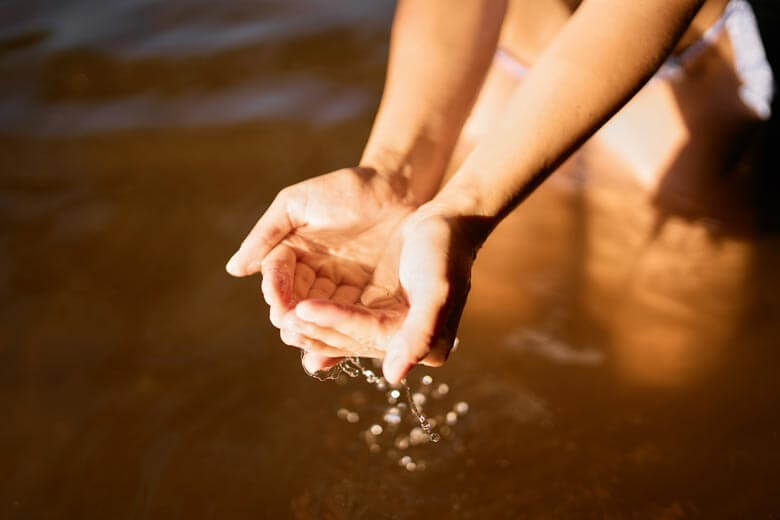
(139, 381)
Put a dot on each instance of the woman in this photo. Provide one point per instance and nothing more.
(376, 260)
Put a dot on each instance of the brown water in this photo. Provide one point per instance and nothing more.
(607, 376)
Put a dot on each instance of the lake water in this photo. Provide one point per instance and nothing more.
(606, 377)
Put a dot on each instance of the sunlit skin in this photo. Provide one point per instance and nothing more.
(403, 302)
(409, 149)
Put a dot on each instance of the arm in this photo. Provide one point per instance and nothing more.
(604, 54)
(599, 60)
(438, 59)
(322, 238)
(439, 54)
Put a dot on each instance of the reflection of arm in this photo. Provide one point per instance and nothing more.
(599, 60)
(440, 52)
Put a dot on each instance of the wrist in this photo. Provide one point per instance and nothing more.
(415, 172)
(463, 209)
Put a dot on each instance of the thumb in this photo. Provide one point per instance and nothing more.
(416, 337)
(273, 226)
(434, 271)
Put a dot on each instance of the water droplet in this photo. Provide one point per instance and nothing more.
(443, 389)
(418, 399)
(342, 413)
(393, 415)
(395, 394)
(435, 437)
(417, 436)
(411, 466)
(402, 443)
(406, 459)
(353, 417)
(427, 380)
(462, 408)
(376, 429)
(374, 448)
(452, 418)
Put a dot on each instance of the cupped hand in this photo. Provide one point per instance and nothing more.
(322, 239)
(411, 307)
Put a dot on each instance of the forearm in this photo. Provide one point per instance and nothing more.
(440, 52)
(599, 60)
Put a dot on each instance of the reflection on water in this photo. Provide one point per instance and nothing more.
(139, 140)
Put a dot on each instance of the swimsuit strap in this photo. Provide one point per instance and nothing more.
(755, 73)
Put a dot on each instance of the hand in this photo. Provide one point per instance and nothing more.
(425, 280)
(322, 238)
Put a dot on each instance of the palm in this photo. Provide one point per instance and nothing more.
(354, 267)
(344, 220)
(322, 239)
(426, 267)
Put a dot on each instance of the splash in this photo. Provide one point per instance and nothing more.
(353, 367)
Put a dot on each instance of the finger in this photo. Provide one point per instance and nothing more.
(313, 363)
(304, 279)
(374, 296)
(330, 337)
(278, 269)
(294, 339)
(366, 326)
(337, 340)
(322, 288)
(346, 294)
(419, 332)
(276, 315)
(273, 226)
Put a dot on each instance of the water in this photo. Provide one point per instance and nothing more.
(354, 367)
(610, 370)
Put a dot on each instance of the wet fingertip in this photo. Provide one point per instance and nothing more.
(311, 363)
(276, 316)
(395, 367)
(233, 266)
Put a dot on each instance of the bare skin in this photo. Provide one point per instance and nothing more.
(410, 146)
(411, 296)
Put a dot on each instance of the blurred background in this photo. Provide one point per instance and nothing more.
(141, 139)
